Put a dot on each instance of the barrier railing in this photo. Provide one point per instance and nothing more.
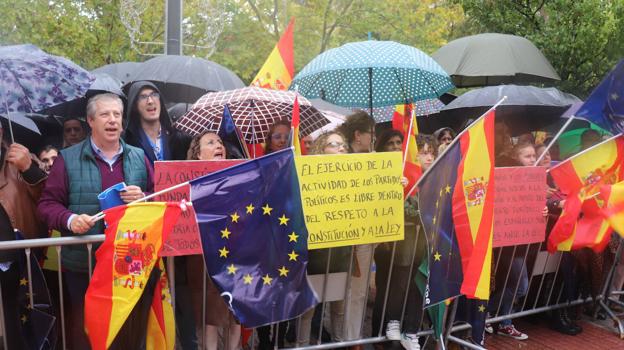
(544, 291)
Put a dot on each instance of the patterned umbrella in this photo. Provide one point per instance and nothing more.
(254, 110)
(370, 74)
(32, 80)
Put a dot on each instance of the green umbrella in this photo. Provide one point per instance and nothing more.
(570, 142)
(370, 74)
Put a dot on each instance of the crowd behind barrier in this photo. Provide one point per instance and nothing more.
(545, 294)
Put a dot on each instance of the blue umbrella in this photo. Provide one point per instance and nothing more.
(32, 80)
(371, 74)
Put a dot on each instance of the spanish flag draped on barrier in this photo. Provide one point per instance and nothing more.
(254, 238)
(405, 121)
(279, 68)
(125, 268)
(456, 201)
(580, 178)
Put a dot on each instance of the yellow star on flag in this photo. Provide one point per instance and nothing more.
(266, 210)
(24, 318)
(225, 233)
(434, 220)
(292, 237)
(23, 282)
(283, 271)
(223, 252)
(437, 256)
(250, 208)
(447, 189)
(247, 279)
(235, 217)
(292, 256)
(267, 279)
(481, 308)
(232, 269)
(283, 220)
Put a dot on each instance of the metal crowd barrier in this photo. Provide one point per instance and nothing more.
(544, 292)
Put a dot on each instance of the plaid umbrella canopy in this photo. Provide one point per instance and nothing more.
(253, 109)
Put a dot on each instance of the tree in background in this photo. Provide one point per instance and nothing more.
(583, 39)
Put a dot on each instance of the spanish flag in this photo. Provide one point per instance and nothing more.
(279, 69)
(613, 209)
(473, 205)
(296, 143)
(404, 120)
(126, 266)
(581, 223)
(161, 321)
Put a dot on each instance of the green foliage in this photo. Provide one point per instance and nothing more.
(582, 39)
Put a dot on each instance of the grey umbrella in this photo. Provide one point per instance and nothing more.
(492, 59)
(526, 107)
(185, 78)
(122, 70)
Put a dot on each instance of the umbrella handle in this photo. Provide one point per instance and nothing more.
(6, 107)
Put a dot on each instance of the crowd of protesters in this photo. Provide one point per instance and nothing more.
(57, 194)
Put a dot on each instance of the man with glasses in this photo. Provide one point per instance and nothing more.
(149, 127)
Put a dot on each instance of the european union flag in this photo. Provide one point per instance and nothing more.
(435, 197)
(605, 105)
(231, 136)
(38, 325)
(254, 238)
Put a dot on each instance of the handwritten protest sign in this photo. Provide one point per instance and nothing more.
(184, 239)
(351, 198)
(520, 197)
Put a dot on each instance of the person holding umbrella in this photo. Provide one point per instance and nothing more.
(21, 181)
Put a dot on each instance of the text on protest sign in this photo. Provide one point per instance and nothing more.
(520, 197)
(351, 199)
(184, 239)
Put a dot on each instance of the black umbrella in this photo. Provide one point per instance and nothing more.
(104, 83)
(526, 108)
(185, 78)
(122, 70)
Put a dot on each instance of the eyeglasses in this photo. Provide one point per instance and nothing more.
(279, 137)
(335, 144)
(154, 95)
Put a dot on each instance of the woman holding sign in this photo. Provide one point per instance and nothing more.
(359, 132)
(209, 146)
(322, 260)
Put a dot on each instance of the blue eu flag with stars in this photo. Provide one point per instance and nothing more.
(435, 201)
(254, 238)
(605, 105)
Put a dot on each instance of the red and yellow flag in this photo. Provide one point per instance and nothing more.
(279, 69)
(581, 178)
(613, 209)
(134, 237)
(161, 321)
(404, 120)
(473, 205)
(295, 128)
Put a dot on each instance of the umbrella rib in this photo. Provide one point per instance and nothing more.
(401, 85)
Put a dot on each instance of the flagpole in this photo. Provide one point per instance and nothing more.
(552, 142)
(409, 134)
(455, 141)
(100, 215)
(585, 151)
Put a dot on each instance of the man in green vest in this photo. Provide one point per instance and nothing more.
(69, 200)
